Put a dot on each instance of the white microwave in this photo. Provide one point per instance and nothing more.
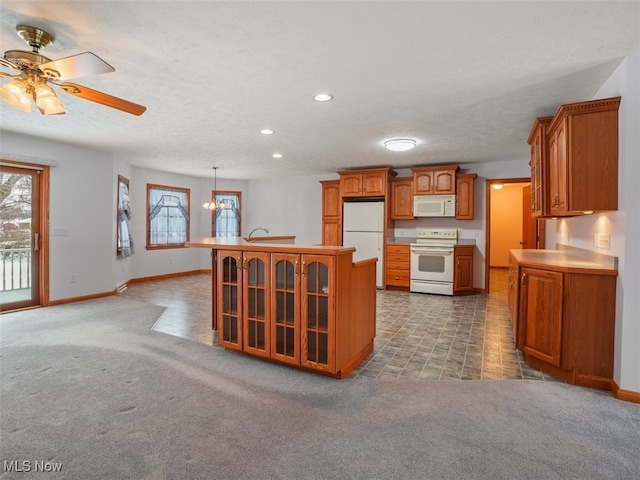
(434, 206)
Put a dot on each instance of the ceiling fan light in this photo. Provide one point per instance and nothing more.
(47, 101)
(15, 94)
(400, 144)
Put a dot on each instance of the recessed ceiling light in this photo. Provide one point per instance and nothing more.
(267, 131)
(400, 144)
(277, 155)
(323, 97)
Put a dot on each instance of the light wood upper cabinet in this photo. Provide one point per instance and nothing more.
(436, 180)
(365, 183)
(539, 163)
(583, 158)
(402, 199)
(331, 213)
(331, 203)
(465, 196)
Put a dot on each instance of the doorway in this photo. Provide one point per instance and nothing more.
(23, 241)
(509, 225)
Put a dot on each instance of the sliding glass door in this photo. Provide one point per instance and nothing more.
(20, 237)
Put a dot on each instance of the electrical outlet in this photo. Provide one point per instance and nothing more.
(602, 241)
(73, 278)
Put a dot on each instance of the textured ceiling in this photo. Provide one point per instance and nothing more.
(466, 79)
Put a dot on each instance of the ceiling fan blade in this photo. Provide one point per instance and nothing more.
(76, 66)
(8, 64)
(102, 98)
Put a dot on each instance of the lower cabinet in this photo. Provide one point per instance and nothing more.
(397, 266)
(565, 322)
(513, 285)
(255, 311)
(285, 308)
(278, 306)
(229, 297)
(463, 269)
(541, 313)
(318, 321)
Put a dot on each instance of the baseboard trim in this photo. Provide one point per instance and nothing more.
(626, 395)
(82, 298)
(167, 275)
(92, 296)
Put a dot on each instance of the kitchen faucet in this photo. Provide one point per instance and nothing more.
(254, 230)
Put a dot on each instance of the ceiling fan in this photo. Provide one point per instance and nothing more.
(37, 73)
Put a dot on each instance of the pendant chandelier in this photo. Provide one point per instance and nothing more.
(212, 204)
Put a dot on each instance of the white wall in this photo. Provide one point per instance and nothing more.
(81, 204)
(286, 206)
(623, 225)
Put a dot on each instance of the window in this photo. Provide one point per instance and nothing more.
(225, 221)
(168, 216)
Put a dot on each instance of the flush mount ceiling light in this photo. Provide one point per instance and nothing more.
(267, 131)
(323, 97)
(400, 144)
(497, 186)
(277, 155)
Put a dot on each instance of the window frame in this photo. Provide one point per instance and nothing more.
(214, 194)
(168, 188)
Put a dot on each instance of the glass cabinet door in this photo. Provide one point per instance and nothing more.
(317, 312)
(285, 313)
(256, 303)
(230, 299)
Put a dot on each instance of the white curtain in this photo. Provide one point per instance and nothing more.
(124, 215)
(226, 221)
(168, 217)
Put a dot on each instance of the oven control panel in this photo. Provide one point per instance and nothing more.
(437, 233)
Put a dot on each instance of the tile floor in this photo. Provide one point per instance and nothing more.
(418, 336)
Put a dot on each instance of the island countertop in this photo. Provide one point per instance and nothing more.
(240, 244)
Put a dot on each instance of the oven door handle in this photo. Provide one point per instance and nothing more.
(431, 251)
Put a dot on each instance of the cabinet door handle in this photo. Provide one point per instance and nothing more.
(303, 265)
(295, 268)
(524, 276)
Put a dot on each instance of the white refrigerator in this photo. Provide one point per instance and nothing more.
(363, 228)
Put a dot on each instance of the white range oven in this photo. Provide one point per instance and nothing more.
(431, 269)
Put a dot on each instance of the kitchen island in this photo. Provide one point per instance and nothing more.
(308, 306)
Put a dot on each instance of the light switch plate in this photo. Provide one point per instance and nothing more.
(602, 241)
